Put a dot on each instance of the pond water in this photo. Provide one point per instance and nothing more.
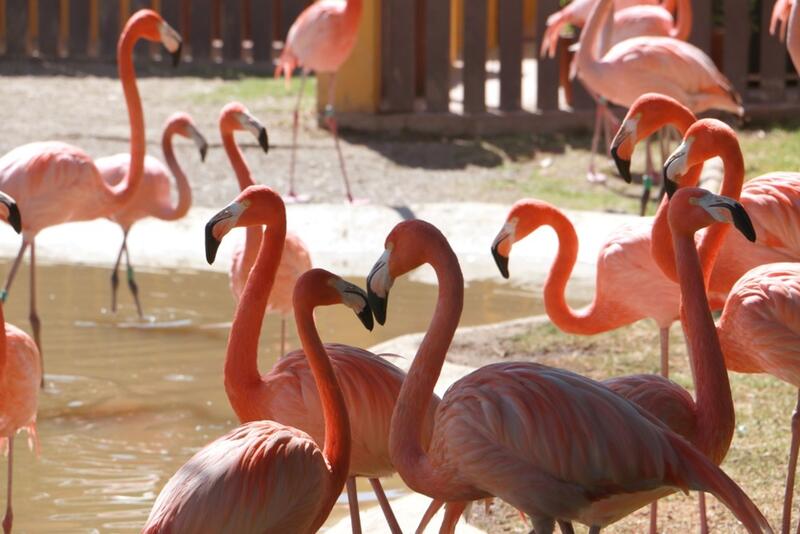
(127, 402)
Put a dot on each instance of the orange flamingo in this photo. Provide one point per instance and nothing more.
(265, 476)
(370, 385)
(152, 197)
(20, 375)
(55, 183)
(501, 430)
(321, 39)
(295, 257)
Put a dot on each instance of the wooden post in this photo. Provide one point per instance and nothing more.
(510, 40)
(49, 11)
(78, 28)
(17, 27)
(437, 55)
(201, 29)
(773, 58)
(109, 27)
(475, 56)
(397, 25)
(232, 30)
(547, 69)
(262, 27)
(737, 43)
(701, 25)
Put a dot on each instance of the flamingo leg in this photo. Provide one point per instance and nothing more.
(565, 527)
(592, 175)
(131, 281)
(787, 498)
(352, 502)
(115, 277)
(9, 518)
(701, 500)
(394, 527)
(330, 119)
(13, 272)
(663, 335)
(654, 516)
(452, 511)
(293, 196)
(283, 336)
(36, 324)
(433, 507)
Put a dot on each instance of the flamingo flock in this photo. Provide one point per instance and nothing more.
(559, 447)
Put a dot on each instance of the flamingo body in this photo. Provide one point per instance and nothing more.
(19, 385)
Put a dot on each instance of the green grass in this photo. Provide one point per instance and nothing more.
(772, 149)
(250, 89)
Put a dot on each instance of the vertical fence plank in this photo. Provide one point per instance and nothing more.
(701, 25)
(546, 69)
(232, 30)
(78, 28)
(475, 56)
(737, 43)
(398, 64)
(109, 27)
(437, 55)
(510, 34)
(48, 28)
(262, 28)
(171, 11)
(773, 58)
(201, 29)
(16, 27)
(289, 11)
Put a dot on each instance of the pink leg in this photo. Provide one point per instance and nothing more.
(787, 498)
(36, 324)
(452, 511)
(115, 277)
(9, 518)
(352, 501)
(330, 119)
(293, 196)
(433, 507)
(13, 272)
(654, 517)
(387, 509)
(283, 336)
(701, 500)
(593, 175)
(663, 334)
(131, 281)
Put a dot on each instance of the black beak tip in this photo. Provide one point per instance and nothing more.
(203, 152)
(378, 306)
(176, 56)
(366, 318)
(212, 244)
(14, 218)
(623, 165)
(501, 261)
(670, 186)
(263, 140)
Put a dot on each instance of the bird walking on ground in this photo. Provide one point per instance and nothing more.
(152, 197)
(295, 257)
(321, 39)
(286, 393)
(264, 476)
(20, 376)
(500, 430)
(55, 183)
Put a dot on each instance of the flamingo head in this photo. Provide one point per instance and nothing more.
(318, 287)
(235, 116)
(649, 113)
(705, 139)
(525, 217)
(149, 25)
(255, 206)
(10, 212)
(693, 208)
(183, 125)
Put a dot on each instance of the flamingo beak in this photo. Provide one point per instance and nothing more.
(670, 186)
(219, 225)
(172, 42)
(379, 282)
(13, 218)
(623, 165)
(199, 141)
(258, 130)
(263, 140)
(501, 262)
(739, 217)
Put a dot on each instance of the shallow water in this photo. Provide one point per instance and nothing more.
(127, 402)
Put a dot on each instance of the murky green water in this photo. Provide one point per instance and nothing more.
(127, 402)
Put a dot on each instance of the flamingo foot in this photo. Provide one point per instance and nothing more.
(293, 198)
(357, 201)
(7, 521)
(596, 177)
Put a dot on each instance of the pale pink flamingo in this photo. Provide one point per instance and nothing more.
(286, 394)
(55, 183)
(553, 444)
(152, 197)
(785, 11)
(641, 65)
(20, 375)
(295, 257)
(321, 39)
(779, 21)
(265, 476)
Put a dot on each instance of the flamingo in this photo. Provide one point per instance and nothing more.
(295, 258)
(20, 375)
(55, 183)
(152, 197)
(370, 385)
(553, 444)
(265, 476)
(640, 65)
(321, 39)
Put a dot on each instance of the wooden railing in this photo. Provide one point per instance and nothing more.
(213, 30)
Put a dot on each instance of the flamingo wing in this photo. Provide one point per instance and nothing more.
(260, 477)
(773, 203)
(320, 39)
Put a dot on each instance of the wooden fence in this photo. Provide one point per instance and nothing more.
(213, 30)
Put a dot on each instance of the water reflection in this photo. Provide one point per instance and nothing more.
(127, 402)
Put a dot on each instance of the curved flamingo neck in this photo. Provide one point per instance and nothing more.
(121, 193)
(169, 212)
(683, 23)
(241, 360)
(334, 411)
(252, 240)
(586, 320)
(587, 58)
(405, 443)
(715, 415)
(3, 341)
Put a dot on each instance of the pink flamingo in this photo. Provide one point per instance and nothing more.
(55, 183)
(295, 257)
(265, 476)
(152, 197)
(779, 21)
(20, 375)
(524, 432)
(785, 12)
(644, 64)
(370, 385)
(321, 39)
